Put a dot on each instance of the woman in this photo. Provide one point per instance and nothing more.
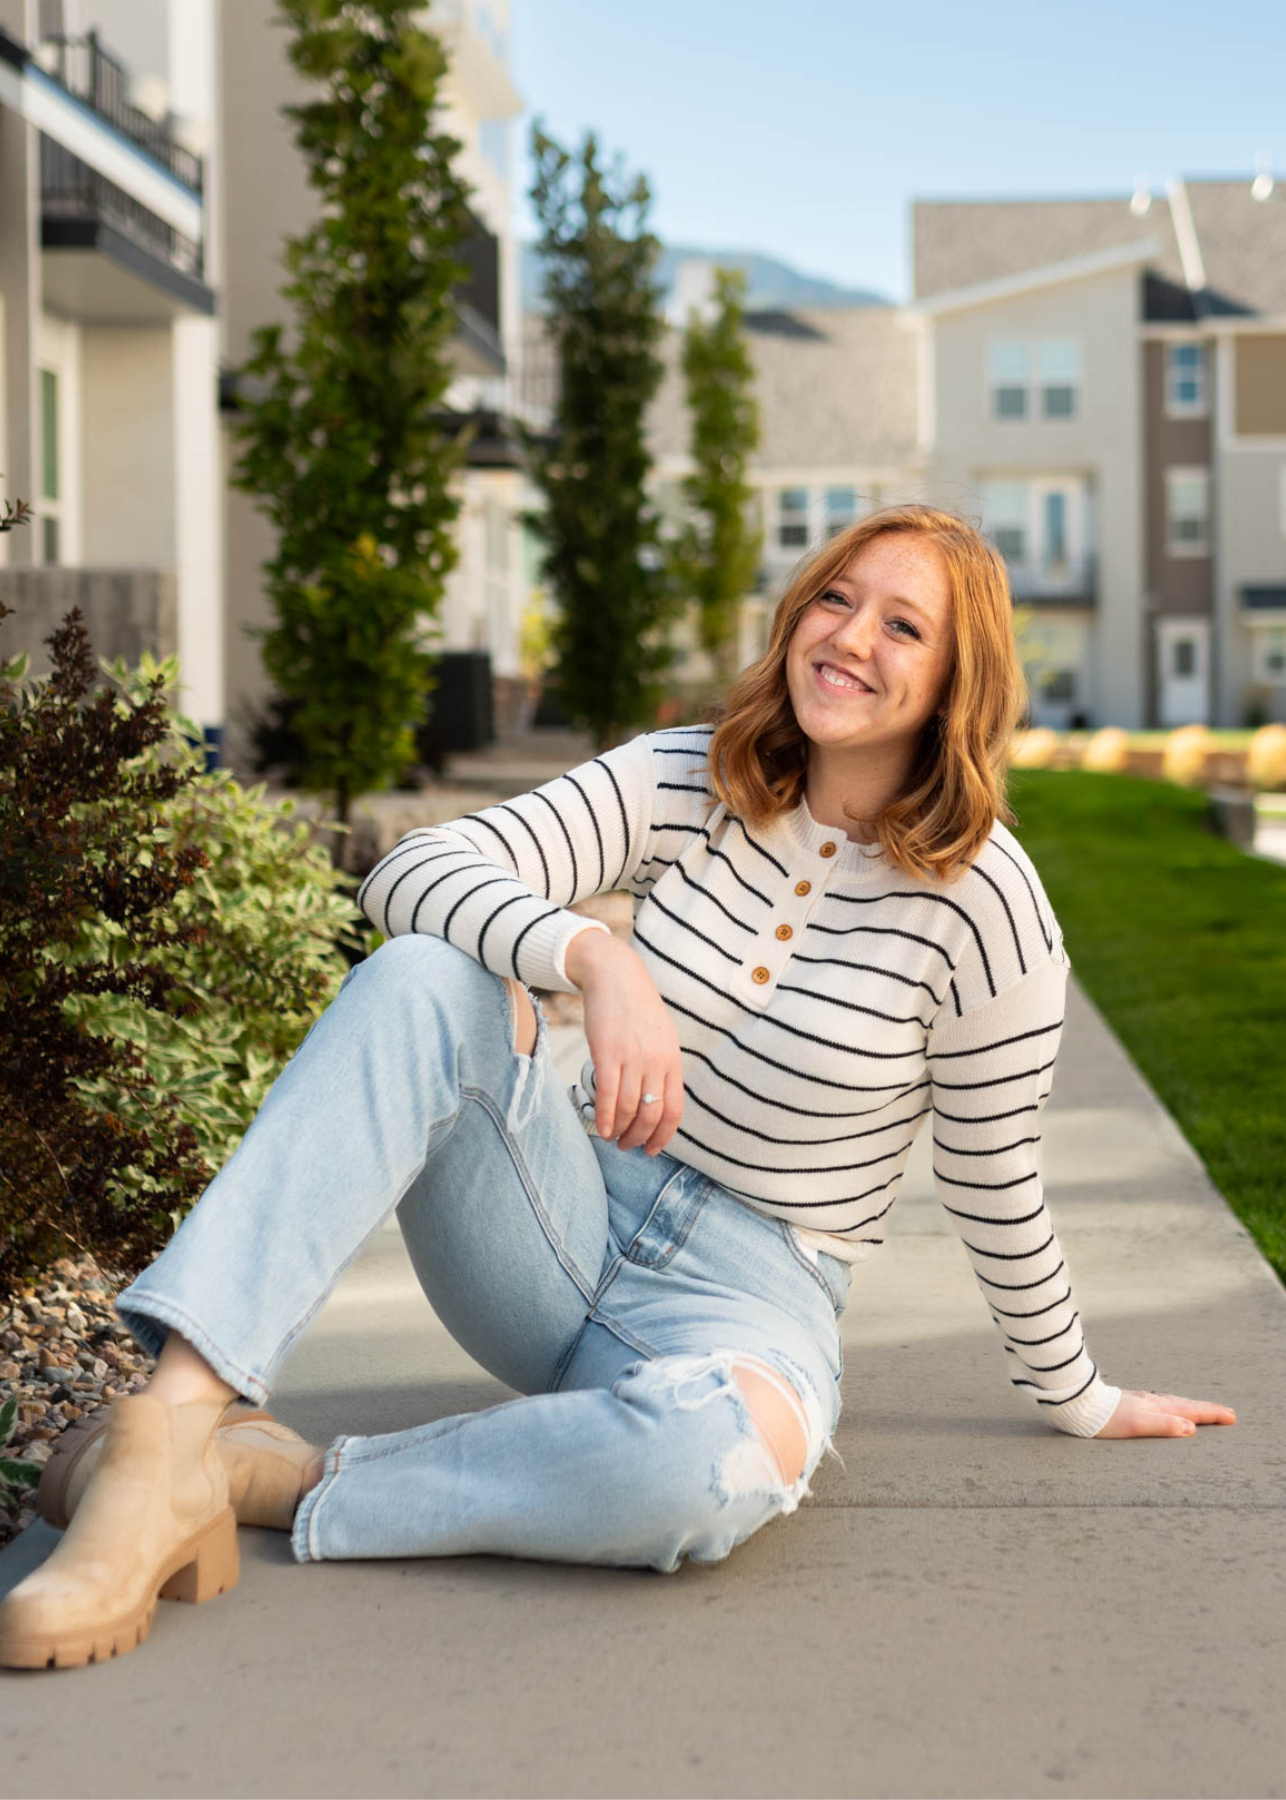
(835, 935)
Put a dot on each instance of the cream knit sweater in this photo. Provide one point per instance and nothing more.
(826, 1005)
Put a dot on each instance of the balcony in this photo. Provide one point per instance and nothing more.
(122, 212)
(1069, 581)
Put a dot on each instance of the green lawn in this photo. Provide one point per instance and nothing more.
(1180, 940)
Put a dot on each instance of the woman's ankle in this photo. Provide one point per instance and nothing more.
(182, 1375)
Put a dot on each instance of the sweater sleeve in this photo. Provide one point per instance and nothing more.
(991, 1072)
(498, 883)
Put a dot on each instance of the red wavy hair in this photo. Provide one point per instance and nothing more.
(957, 788)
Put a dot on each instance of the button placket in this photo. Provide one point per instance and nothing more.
(784, 931)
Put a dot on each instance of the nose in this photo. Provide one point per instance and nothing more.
(854, 633)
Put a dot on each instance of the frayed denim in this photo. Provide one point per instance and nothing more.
(615, 1292)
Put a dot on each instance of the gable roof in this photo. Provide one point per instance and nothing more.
(836, 387)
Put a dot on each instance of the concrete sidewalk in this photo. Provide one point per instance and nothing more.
(975, 1605)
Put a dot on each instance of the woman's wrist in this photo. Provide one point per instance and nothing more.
(588, 951)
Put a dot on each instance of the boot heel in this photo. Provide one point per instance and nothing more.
(214, 1564)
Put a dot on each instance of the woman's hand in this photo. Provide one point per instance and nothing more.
(1162, 1415)
(632, 1041)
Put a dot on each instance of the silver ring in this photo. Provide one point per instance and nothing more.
(650, 1099)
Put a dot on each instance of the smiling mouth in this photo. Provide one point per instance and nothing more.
(841, 683)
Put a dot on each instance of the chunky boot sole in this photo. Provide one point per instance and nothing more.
(205, 1566)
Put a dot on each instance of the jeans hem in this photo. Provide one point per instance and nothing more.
(141, 1315)
(303, 1542)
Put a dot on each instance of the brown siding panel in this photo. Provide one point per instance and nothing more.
(1260, 385)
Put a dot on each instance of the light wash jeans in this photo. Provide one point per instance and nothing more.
(610, 1288)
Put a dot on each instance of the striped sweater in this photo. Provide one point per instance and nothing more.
(826, 1004)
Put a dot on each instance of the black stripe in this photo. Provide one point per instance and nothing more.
(847, 1137)
(571, 851)
(1017, 1287)
(512, 901)
(912, 937)
(1039, 1310)
(1046, 1368)
(436, 857)
(625, 819)
(983, 1219)
(847, 1087)
(922, 894)
(990, 1118)
(794, 1205)
(463, 869)
(1032, 1342)
(535, 840)
(1010, 1255)
(707, 895)
(804, 1112)
(598, 836)
(785, 987)
(992, 1187)
(1076, 1396)
(996, 1043)
(767, 1018)
(998, 1150)
(478, 819)
(960, 1087)
(493, 882)
(767, 855)
(522, 934)
(1049, 942)
(991, 882)
(655, 900)
(839, 962)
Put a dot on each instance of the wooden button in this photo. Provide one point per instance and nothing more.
(827, 850)
(784, 931)
(803, 887)
(762, 975)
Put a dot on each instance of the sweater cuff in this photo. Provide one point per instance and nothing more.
(1089, 1412)
(549, 942)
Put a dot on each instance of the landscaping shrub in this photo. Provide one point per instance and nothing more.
(164, 947)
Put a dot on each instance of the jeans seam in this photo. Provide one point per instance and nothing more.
(818, 1277)
(488, 1104)
(695, 1208)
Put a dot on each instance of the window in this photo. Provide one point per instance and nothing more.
(1281, 499)
(1185, 380)
(1058, 362)
(1005, 506)
(1183, 656)
(1008, 373)
(841, 509)
(1270, 655)
(792, 518)
(1054, 549)
(50, 464)
(1187, 512)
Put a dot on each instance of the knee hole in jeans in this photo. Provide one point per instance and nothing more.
(522, 1016)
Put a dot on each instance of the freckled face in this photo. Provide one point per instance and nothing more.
(869, 659)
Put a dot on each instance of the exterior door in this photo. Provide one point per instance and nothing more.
(1183, 671)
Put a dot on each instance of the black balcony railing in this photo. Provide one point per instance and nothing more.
(71, 191)
(93, 75)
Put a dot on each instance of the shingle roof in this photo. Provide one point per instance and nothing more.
(836, 386)
(960, 243)
(1243, 244)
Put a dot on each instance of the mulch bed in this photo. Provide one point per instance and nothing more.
(63, 1353)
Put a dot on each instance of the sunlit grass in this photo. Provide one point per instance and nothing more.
(1179, 938)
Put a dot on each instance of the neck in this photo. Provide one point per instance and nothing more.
(863, 781)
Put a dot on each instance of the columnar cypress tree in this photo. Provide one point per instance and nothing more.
(602, 557)
(342, 452)
(717, 554)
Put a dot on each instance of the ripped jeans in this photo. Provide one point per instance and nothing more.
(610, 1289)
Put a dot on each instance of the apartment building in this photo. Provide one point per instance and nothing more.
(837, 394)
(147, 181)
(1104, 383)
(108, 321)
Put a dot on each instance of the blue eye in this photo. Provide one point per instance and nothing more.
(843, 600)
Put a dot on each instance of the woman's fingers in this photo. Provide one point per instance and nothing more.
(672, 1111)
(1145, 1414)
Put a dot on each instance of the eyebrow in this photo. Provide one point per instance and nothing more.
(895, 599)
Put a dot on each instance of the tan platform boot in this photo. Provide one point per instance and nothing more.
(264, 1460)
(153, 1522)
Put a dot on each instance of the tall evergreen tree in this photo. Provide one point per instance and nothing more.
(716, 554)
(341, 451)
(602, 554)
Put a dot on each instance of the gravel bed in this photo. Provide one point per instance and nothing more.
(63, 1353)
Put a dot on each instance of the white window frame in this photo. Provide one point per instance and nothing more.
(782, 518)
(1261, 638)
(1044, 382)
(1174, 407)
(994, 384)
(1281, 499)
(1186, 547)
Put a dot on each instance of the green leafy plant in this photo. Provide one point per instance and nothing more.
(15, 1472)
(602, 556)
(715, 556)
(166, 940)
(342, 439)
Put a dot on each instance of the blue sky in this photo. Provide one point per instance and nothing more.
(805, 130)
